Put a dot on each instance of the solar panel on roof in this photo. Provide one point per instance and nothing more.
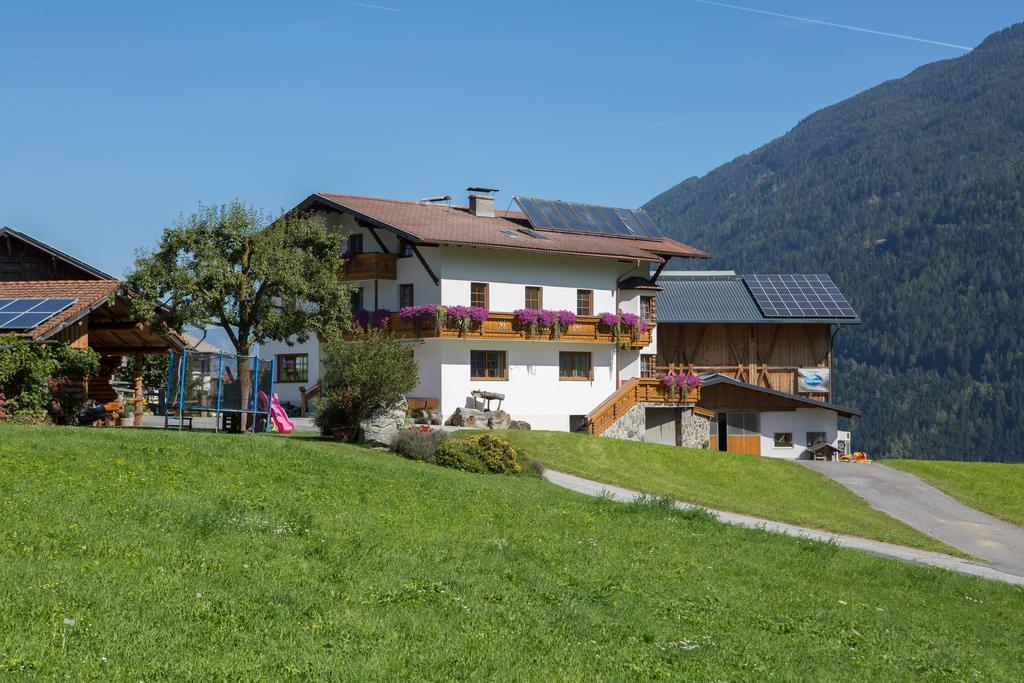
(24, 314)
(798, 296)
(546, 214)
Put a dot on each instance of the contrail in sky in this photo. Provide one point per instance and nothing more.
(675, 120)
(363, 4)
(834, 25)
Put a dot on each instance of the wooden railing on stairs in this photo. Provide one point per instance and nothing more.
(307, 395)
(637, 390)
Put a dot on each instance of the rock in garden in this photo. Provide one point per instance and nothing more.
(519, 424)
(384, 423)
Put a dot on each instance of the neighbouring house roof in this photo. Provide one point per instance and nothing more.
(199, 344)
(115, 328)
(717, 298)
(90, 295)
(715, 379)
(429, 224)
(85, 268)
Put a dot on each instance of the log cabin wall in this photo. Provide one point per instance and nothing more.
(762, 354)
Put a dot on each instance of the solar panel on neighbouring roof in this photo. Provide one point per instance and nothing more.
(547, 214)
(798, 296)
(25, 314)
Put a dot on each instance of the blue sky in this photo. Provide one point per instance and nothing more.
(117, 116)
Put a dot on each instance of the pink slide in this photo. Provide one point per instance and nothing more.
(282, 422)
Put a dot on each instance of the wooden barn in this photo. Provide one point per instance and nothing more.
(764, 346)
(49, 296)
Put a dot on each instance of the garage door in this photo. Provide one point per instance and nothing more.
(661, 426)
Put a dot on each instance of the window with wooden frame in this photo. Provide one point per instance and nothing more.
(783, 439)
(292, 367)
(534, 298)
(404, 248)
(575, 366)
(355, 244)
(647, 365)
(478, 295)
(648, 309)
(406, 296)
(357, 300)
(815, 437)
(584, 302)
(488, 365)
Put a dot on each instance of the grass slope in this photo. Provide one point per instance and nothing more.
(152, 555)
(766, 487)
(992, 487)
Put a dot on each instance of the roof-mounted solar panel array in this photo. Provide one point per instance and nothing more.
(25, 314)
(553, 214)
(798, 296)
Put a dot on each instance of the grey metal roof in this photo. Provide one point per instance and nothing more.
(718, 298)
(712, 379)
(706, 299)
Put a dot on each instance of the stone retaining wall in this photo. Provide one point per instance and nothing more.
(692, 430)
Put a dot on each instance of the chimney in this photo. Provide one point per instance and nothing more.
(481, 201)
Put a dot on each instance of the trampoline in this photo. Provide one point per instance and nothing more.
(203, 385)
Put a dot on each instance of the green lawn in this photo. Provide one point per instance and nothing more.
(993, 487)
(129, 555)
(766, 487)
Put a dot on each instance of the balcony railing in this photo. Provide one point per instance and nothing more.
(586, 329)
(370, 266)
(633, 392)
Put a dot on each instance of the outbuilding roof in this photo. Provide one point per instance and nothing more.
(717, 298)
(715, 379)
(431, 224)
(89, 295)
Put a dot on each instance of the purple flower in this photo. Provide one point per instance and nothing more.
(566, 318)
(692, 381)
(458, 313)
(478, 314)
(642, 326)
(380, 317)
(630, 319)
(361, 318)
(546, 318)
(412, 313)
(608, 319)
(407, 313)
(526, 316)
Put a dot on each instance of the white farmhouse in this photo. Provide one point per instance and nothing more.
(409, 255)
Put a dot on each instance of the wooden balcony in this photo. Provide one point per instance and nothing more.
(370, 266)
(637, 391)
(587, 329)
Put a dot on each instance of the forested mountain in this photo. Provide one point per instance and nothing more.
(911, 195)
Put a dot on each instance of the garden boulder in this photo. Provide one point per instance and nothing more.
(383, 424)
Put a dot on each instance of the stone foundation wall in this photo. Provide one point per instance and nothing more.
(692, 430)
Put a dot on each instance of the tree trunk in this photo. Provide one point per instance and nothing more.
(245, 383)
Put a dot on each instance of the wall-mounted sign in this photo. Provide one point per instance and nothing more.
(813, 380)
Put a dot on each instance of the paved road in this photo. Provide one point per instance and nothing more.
(898, 552)
(924, 507)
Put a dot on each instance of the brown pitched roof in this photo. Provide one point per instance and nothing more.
(90, 294)
(455, 225)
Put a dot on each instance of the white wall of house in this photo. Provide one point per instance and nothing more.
(289, 391)
(533, 391)
(508, 273)
(798, 422)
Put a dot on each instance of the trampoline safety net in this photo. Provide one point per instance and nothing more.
(218, 385)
